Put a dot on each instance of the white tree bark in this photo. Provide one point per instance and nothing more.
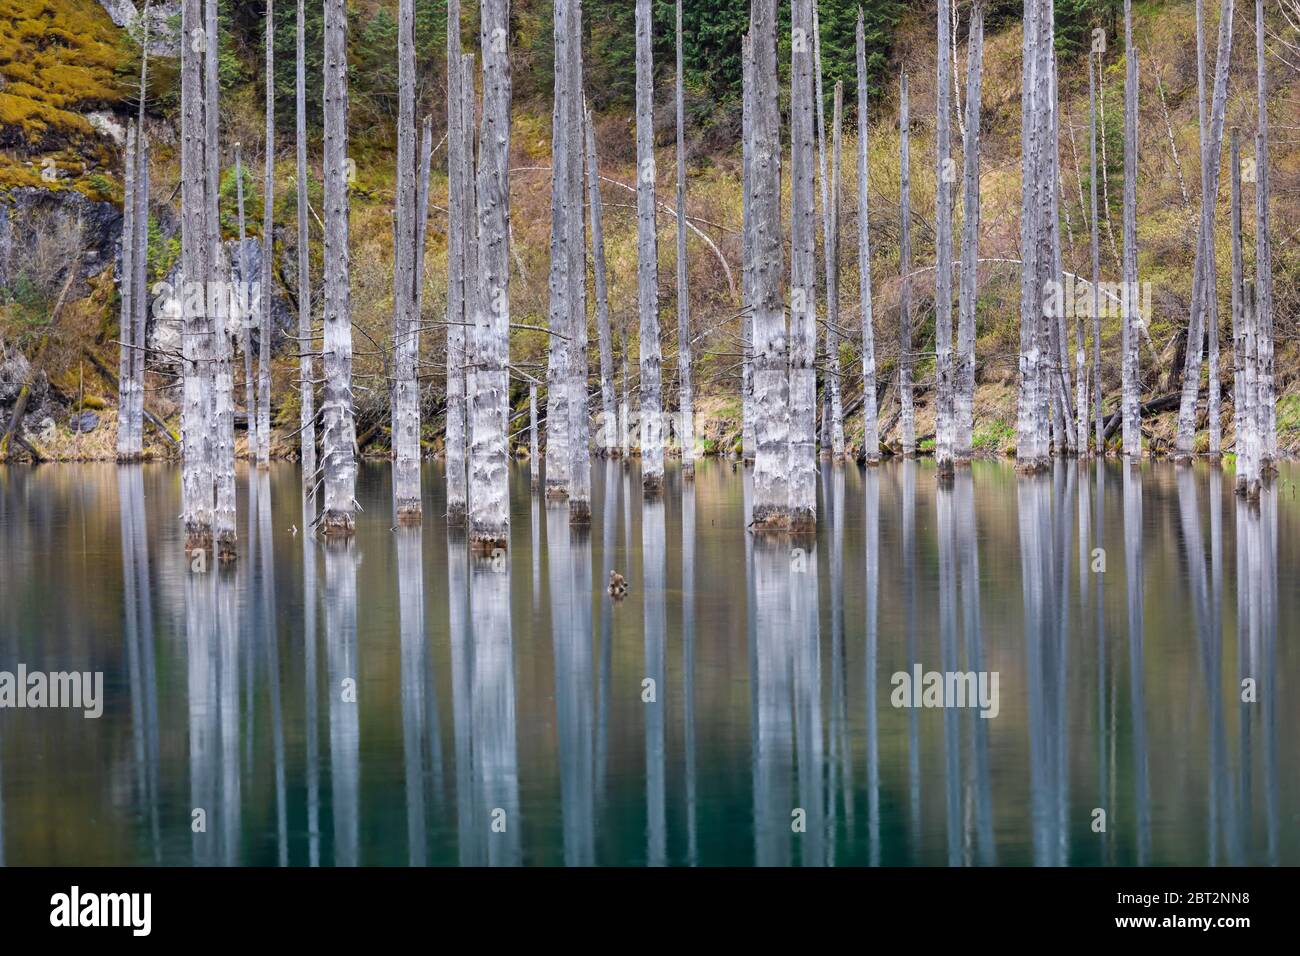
(223, 379)
(1248, 456)
(1204, 311)
(1060, 334)
(534, 463)
(338, 428)
(1240, 383)
(833, 278)
(944, 178)
(907, 416)
(576, 248)
(246, 317)
(489, 513)
(1099, 427)
(1031, 439)
(604, 332)
(1264, 253)
(405, 391)
(1131, 409)
(558, 453)
(685, 399)
(197, 351)
(871, 434)
(126, 294)
(306, 389)
(459, 171)
(803, 274)
(747, 250)
(268, 251)
(964, 399)
(647, 249)
(135, 417)
(771, 401)
(470, 249)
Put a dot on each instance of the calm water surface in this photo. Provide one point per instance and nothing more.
(395, 702)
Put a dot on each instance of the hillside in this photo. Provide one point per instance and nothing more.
(69, 75)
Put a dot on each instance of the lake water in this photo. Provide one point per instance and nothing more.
(395, 702)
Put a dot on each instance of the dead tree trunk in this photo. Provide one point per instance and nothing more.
(1095, 251)
(833, 277)
(338, 427)
(126, 293)
(489, 512)
(1204, 312)
(604, 332)
(197, 350)
(218, 272)
(405, 397)
(1239, 380)
(458, 313)
(832, 431)
(576, 248)
(1264, 253)
(245, 324)
(652, 451)
(685, 398)
(558, 454)
(747, 251)
(803, 275)
(306, 343)
(964, 402)
(268, 249)
(1132, 423)
(907, 411)
(870, 431)
(533, 472)
(135, 416)
(944, 177)
(1031, 425)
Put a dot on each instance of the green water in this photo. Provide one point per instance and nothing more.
(396, 702)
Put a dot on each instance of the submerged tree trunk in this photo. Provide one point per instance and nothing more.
(576, 248)
(1239, 382)
(218, 273)
(135, 415)
(1264, 253)
(126, 293)
(1132, 425)
(771, 510)
(268, 250)
(604, 332)
(1204, 313)
(534, 471)
(803, 275)
(944, 177)
(833, 278)
(489, 514)
(964, 400)
(1031, 424)
(404, 390)
(1095, 251)
(907, 411)
(685, 400)
(558, 455)
(338, 427)
(196, 469)
(458, 314)
(246, 315)
(870, 429)
(647, 258)
(747, 251)
(306, 393)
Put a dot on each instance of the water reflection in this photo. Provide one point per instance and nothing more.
(1123, 609)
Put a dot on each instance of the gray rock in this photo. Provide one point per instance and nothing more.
(83, 422)
(164, 37)
(56, 222)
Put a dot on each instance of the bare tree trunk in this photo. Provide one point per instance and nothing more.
(832, 430)
(458, 313)
(907, 412)
(747, 251)
(944, 177)
(533, 462)
(268, 255)
(196, 470)
(245, 324)
(1264, 254)
(1059, 332)
(489, 513)
(558, 453)
(604, 332)
(647, 247)
(126, 293)
(1248, 456)
(685, 399)
(469, 244)
(576, 248)
(338, 427)
(1204, 292)
(870, 428)
(306, 390)
(964, 402)
(1240, 387)
(1132, 425)
(833, 275)
(803, 274)
(1095, 250)
(404, 390)
(771, 405)
(135, 416)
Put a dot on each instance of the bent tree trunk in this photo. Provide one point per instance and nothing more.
(338, 427)
(871, 435)
(489, 517)
(647, 259)
(964, 400)
(803, 276)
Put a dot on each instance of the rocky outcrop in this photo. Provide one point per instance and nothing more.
(49, 229)
(163, 16)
